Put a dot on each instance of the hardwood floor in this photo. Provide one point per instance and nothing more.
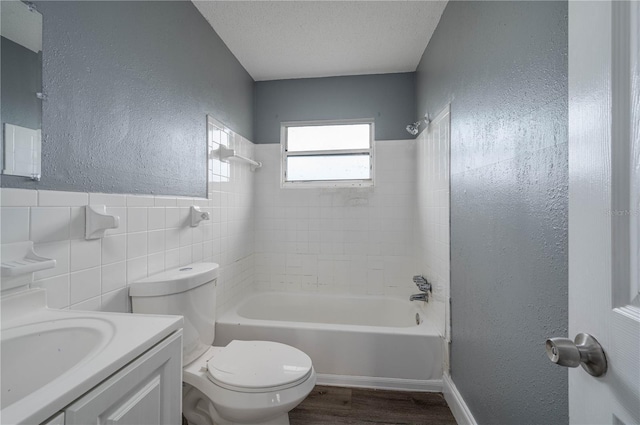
(337, 406)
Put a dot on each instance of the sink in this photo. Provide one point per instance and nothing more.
(36, 354)
(49, 358)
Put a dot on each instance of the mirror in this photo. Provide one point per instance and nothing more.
(21, 73)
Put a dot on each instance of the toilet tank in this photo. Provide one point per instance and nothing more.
(188, 291)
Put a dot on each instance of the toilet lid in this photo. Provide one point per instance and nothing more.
(255, 365)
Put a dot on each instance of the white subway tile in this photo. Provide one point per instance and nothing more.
(114, 249)
(58, 251)
(114, 276)
(121, 213)
(198, 233)
(136, 220)
(186, 255)
(140, 201)
(84, 285)
(186, 236)
(85, 254)
(207, 250)
(196, 253)
(77, 225)
(54, 198)
(14, 224)
(156, 241)
(172, 217)
(136, 269)
(49, 224)
(156, 218)
(18, 197)
(172, 238)
(185, 217)
(57, 290)
(108, 199)
(136, 244)
(171, 259)
(155, 263)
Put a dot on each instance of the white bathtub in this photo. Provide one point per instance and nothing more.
(353, 341)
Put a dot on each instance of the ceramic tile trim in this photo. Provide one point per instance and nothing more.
(432, 196)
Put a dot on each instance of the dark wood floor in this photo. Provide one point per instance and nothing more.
(336, 406)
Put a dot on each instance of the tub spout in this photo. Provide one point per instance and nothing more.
(422, 285)
(419, 297)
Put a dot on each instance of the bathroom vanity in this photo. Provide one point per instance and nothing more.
(76, 367)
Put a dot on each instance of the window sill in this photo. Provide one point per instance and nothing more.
(327, 184)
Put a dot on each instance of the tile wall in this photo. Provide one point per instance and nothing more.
(348, 241)
(433, 160)
(154, 235)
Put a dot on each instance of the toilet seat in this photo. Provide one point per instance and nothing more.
(258, 366)
(245, 405)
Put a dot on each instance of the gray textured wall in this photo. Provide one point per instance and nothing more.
(129, 85)
(503, 66)
(388, 98)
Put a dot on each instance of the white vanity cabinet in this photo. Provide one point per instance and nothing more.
(56, 420)
(148, 391)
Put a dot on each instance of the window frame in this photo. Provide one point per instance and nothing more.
(285, 154)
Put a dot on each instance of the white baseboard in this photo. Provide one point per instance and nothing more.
(456, 403)
(431, 385)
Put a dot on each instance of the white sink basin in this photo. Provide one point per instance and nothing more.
(49, 358)
(34, 355)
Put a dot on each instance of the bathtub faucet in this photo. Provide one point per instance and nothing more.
(422, 285)
(419, 297)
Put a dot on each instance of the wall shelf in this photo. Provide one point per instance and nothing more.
(20, 258)
(227, 153)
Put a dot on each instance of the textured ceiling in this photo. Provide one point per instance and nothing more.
(302, 39)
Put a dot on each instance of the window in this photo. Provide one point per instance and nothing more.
(327, 154)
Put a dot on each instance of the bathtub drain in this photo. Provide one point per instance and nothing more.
(417, 319)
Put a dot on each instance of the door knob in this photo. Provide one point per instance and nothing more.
(585, 352)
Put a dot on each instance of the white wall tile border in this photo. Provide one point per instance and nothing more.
(108, 199)
(55, 198)
(140, 201)
(19, 198)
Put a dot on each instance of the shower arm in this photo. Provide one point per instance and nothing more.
(414, 128)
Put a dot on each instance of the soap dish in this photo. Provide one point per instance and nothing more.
(20, 258)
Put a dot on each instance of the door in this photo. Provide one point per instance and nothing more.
(604, 214)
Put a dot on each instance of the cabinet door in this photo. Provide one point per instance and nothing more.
(56, 420)
(148, 391)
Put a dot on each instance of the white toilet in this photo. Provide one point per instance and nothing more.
(246, 382)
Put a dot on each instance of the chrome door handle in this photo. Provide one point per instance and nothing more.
(585, 352)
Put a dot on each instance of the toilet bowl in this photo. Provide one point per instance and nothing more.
(255, 382)
(246, 382)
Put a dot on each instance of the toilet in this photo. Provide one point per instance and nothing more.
(246, 382)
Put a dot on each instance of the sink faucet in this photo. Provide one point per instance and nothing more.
(422, 285)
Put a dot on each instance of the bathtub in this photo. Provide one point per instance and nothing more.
(366, 341)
